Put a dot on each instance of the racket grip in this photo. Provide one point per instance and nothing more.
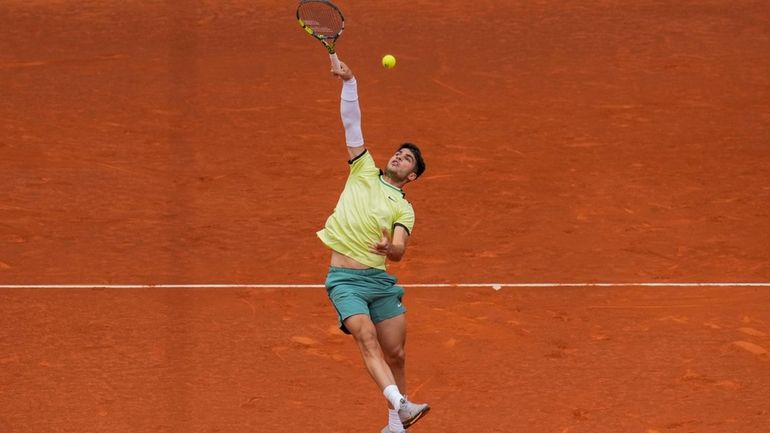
(335, 62)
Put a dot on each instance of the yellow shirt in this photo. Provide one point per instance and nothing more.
(366, 204)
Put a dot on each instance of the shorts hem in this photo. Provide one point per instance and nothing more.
(342, 320)
(390, 316)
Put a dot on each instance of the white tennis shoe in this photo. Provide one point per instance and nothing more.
(387, 429)
(410, 412)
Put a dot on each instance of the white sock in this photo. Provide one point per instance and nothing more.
(394, 422)
(393, 395)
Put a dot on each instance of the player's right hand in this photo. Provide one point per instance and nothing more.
(345, 73)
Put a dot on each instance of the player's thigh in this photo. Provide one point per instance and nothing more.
(363, 330)
(391, 333)
(387, 303)
(347, 302)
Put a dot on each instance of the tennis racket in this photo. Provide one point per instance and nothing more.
(323, 21)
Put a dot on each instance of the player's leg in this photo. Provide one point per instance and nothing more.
(365, 335)
(391, 334)
(347, 291)
(390, 323)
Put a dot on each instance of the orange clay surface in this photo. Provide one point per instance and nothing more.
(193, 142)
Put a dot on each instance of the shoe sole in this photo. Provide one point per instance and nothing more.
(416, 418)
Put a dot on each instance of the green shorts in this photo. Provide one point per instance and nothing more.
(364, 291)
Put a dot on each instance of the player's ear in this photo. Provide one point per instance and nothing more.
(411, 176)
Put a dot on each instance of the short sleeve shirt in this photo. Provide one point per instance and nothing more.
(367, 204)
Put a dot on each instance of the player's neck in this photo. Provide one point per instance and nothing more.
(394, 182)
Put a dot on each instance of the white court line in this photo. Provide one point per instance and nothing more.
(495, 286)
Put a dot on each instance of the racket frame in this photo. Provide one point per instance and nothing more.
(327, 41)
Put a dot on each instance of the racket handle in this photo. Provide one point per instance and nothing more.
(335, 62)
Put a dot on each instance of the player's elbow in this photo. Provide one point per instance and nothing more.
(396, 254)
(395, 257)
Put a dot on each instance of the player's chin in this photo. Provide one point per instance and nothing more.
(395, 175)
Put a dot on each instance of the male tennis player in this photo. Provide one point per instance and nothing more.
(371, 223)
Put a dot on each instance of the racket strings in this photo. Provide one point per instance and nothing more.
(322, 18)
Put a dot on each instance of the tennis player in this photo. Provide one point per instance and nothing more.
(371, 223)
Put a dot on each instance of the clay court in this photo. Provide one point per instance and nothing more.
(605, 162)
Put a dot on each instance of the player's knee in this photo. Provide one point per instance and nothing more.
(367, 340)
(395, 357)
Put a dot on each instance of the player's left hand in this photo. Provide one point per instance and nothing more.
(381, 247)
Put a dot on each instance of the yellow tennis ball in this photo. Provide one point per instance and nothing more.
(388, 61)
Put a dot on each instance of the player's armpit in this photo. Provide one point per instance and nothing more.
(355, 152)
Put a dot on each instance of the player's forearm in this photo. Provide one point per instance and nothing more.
(351, 113)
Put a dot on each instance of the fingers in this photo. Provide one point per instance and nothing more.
(345, 75)
(343, 72)
(381, 247)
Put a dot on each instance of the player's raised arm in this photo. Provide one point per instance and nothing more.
(350, 111)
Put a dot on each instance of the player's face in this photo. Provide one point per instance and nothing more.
(401, 166)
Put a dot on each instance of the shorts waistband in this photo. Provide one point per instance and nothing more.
(368, 271)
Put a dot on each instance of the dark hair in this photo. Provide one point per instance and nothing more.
(420, 163)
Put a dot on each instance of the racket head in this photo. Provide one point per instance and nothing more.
(321, 19)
